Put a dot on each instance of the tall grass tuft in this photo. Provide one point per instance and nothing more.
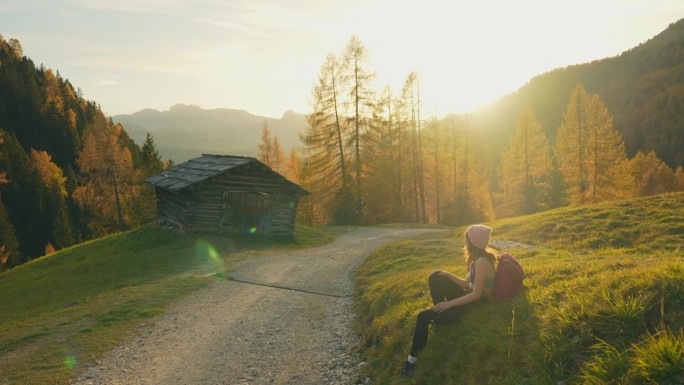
(608, 365)
(660, 359)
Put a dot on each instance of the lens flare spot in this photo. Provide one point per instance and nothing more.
(70, 362)
(292, 204)
(206, 252)
(253, 230)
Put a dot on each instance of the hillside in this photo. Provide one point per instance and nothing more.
(643, 89)
(45, 125)
(185, 131)
(602, 302)
(68, 309)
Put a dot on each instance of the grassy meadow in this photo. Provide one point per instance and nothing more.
(70, 308)
(603, 302)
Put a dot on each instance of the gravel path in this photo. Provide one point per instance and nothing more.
(291, 324)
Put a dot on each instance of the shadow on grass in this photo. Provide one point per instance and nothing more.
(489, 345)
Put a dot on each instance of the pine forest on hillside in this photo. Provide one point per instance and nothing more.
(69, 174)
(642, 88)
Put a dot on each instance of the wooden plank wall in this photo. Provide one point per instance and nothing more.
(284, 214)
(174, 208)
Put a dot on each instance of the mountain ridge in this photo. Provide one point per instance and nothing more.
(643, 89)
(185, 131)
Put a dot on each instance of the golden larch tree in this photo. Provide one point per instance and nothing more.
(278, 161)
(609, 174)
(55, 211)
(325, 156)
(651, 175)
(293, 167)
(525, 167)
(108, 178)
(265, 151)
(590, 152)
(571, 146)
(360, 102)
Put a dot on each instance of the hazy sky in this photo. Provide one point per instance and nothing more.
(263, 56)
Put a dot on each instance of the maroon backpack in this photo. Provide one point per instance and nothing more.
(509, 277)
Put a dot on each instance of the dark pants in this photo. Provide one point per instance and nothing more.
(441, 289)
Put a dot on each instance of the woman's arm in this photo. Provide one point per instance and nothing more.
(460, 282)
(482, 268)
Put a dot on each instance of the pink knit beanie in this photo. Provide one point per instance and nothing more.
(479, 235)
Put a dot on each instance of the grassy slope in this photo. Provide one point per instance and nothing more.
(603, 301)
(70, 308)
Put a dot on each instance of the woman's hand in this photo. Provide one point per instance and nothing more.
(440, 307)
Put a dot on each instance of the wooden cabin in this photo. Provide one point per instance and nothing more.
(226, 194)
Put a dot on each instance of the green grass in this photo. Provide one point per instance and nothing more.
(63, 311)
(603, 302)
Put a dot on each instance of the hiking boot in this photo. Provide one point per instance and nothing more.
(408, 369)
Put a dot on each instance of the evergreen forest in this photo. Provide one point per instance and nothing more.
(68, 173)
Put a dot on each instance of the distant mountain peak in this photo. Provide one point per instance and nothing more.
(289, 114)
(184, 107)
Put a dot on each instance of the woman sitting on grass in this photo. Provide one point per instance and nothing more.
(452, 296)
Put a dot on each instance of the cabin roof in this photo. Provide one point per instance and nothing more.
(208, 166)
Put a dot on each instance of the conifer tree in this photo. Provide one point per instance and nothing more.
(278, 161)
(476, 198)
(308, 209)
(651, 175)
(150, 158)
(58, 230)
(265, 151)
(270, 151)
(24, 199)
(453, 161)
(16, 47)
(9, 245)
(380, 195)
(324, 144)
(525, 167)
(294, 167)
(610, 176)
(468, 196)
(404, 191)
(591, 153)
(678, 184)
(435, 167)
(145, 207)
(109, 183)
(571, 146)
(558, 191)
(409, 94)
(361, 102)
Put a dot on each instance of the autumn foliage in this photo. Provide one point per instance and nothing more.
(68, 174)
(384, 163)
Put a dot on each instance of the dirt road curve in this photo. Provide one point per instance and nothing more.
(248, 333)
